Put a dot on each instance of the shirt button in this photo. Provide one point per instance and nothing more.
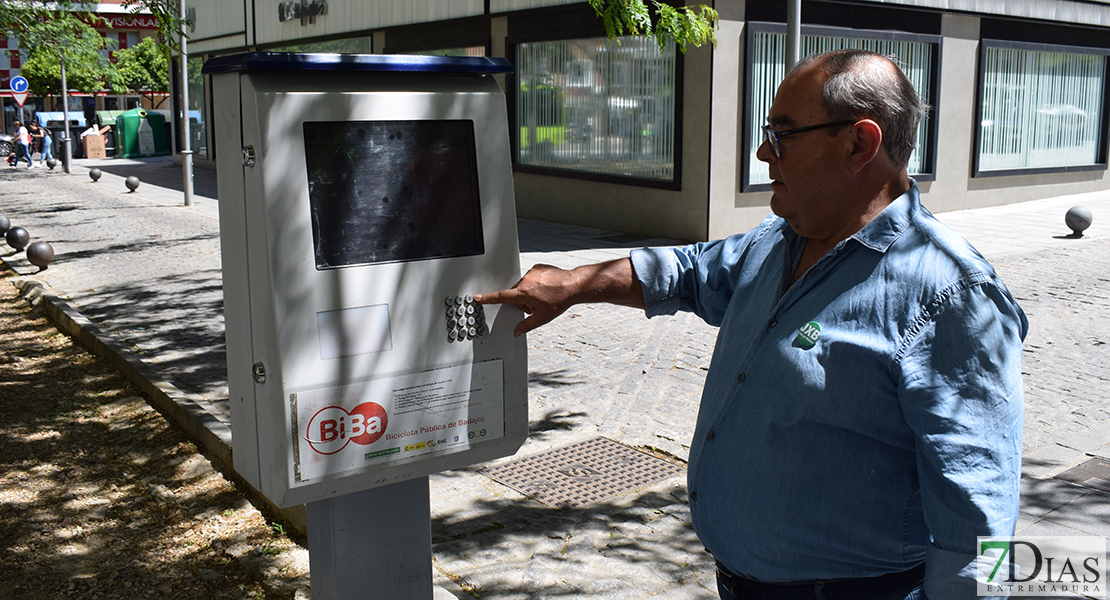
(774, 322)
(694, 496)
(709, 435)
(740, 377)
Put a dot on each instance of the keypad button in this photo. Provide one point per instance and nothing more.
(471, 321)
(472, 332)
(452, 324)
(451, 312)
(458, 300)
(470, 310)
(451, 335)
(450, 301)
(470, 299)
(482, 329)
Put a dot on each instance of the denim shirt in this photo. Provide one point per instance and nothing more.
(894, 439)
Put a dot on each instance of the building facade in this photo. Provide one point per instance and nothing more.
(626, 136)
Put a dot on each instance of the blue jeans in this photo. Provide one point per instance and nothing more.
(23, 151)
(45, 150)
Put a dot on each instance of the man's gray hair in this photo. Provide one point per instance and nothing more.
(861, 87)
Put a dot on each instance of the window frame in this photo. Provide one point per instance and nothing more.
(929, 160)
(511, 83)
(1100, 163)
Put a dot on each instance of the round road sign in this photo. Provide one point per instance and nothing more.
(19, 84)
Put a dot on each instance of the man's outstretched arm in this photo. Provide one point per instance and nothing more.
(546, 292)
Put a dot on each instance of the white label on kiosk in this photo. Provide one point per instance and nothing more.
(395, 419)
(354, 331)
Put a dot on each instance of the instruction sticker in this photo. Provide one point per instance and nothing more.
(386, 421)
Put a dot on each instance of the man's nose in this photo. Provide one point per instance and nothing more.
(764, 152)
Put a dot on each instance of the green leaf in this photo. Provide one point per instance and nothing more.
(686, 25)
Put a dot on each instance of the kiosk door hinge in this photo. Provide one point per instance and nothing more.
(259, 372)
(248, 156)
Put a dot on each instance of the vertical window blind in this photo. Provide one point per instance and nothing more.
(472, 51)
(198, 108)
(915, 58)
(1039, 109)
(597, 106)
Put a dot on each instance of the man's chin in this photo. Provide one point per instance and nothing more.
(777, 205)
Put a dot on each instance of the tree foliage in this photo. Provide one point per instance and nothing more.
(43, 72)
(52, 31)
(144, 68)
(58, 37)
(166, 13)
(686, 25)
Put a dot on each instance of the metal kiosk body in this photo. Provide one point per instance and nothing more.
(363, 198)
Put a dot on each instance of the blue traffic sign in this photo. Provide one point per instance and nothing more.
(19, 84)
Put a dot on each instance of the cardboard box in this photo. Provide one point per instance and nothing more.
(94, 146)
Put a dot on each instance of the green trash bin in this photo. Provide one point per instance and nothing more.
(140, 133)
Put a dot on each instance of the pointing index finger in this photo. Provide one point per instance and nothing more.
(499, 297)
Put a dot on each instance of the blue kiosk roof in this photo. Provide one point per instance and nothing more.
(380, 63)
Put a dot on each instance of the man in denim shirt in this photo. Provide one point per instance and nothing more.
(861, 420)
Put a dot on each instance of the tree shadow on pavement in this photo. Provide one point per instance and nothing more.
(635, 546)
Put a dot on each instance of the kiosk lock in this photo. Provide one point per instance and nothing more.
(259, 372)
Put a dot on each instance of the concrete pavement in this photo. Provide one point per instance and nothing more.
(137, 277)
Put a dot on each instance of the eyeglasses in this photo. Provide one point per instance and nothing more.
(773, 137)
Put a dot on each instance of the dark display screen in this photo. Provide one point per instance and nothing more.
(390, 191)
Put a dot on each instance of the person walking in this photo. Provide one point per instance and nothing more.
(23, 145)
(43, 141)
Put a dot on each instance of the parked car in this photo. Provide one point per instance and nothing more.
(7, 145)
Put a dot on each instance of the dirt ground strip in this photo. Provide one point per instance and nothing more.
(101, 497)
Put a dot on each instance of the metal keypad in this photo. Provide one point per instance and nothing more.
(466, 319)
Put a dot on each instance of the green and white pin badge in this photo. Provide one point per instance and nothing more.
(808, 335)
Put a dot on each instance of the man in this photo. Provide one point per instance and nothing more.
(861, 419)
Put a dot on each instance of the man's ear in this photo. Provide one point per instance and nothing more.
(867, 142)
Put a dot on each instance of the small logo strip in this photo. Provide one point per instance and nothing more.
(808, 335)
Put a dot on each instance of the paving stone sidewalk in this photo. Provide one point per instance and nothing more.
(147, 270)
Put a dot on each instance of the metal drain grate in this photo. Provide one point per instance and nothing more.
(583, 473)
(1094, 473)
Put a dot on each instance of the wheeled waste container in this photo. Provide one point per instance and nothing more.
(140, 133)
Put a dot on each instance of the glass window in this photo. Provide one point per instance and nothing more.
(1040, 109)
(198, 136)
(597, 106)
(472, 51)
(356, 45)
(768, 59)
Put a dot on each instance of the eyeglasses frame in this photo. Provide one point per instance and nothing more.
(774, 138)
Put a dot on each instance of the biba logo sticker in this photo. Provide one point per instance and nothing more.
(332, 428)
(808, 335)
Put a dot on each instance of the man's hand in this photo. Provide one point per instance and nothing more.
(545, 292)
(542, 294)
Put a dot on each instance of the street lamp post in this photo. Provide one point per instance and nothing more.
(186, 130)
(793, 33)
(67, 154)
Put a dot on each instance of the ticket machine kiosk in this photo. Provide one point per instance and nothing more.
(363, 199)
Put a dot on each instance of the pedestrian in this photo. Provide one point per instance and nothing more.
(42, 140)
(23, 145)
(861, 419)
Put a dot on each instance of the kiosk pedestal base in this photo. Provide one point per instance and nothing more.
(372, 544)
